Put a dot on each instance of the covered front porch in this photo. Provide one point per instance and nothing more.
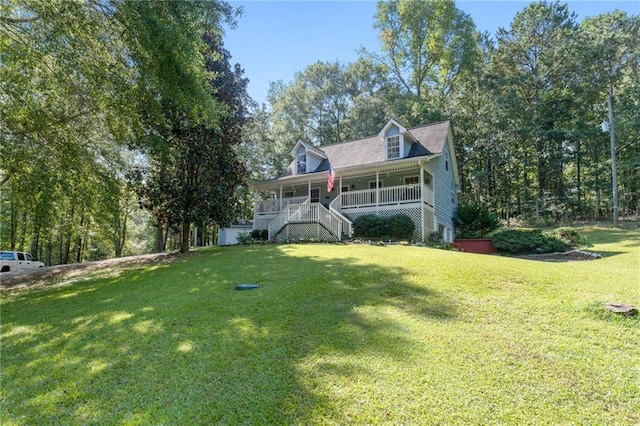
(383, 192)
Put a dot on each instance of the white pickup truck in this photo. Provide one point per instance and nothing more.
(17, 261)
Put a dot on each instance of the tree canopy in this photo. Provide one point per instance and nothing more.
(110, 105)
(85, 93)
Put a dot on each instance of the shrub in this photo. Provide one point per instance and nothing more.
(369, 225)
(474, 221)
(434, 238)
(401, 226)
(260, 234)
(244, 238)
(569, 236)
(521, 241)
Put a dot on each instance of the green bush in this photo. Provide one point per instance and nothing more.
(244, 238)
(260, 234)
(369, 225)
(399, 226)
(531, 241)
(474, 221)
(569, 236)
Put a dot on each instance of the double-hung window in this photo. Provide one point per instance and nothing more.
(302, 163)
(393, 147)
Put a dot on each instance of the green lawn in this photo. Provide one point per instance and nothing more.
(336, 334)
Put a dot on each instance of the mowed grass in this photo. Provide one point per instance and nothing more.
(335, 334)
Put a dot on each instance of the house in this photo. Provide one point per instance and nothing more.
(324, 189)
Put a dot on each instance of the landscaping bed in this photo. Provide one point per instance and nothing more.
(567, 256)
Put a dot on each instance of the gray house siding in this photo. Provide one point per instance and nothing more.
(445, 191)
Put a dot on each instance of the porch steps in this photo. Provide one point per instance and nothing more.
(308, 221)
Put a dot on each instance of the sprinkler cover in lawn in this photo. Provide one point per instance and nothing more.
(246, 286)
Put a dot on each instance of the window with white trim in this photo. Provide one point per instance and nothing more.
(315, 195)
(393, 147)
(301, 163)
(288, 194)
(411, 180)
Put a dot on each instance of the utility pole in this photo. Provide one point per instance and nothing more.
(614, 173)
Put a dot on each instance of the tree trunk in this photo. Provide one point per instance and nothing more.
(22, 234)
(49, 252)
(184, 242)
(123, 238)
(67, 250)
(14, 227)
(79, 241)
(35, 241)
(160, 241)
(578, 178)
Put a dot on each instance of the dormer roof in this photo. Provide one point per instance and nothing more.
(401, 129)
(308, 148)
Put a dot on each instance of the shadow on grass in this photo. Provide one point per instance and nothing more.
(175, 343)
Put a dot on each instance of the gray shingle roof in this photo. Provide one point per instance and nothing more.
(431, 139)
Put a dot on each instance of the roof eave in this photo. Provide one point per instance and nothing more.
(315, 176)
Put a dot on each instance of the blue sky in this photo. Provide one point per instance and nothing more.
(276, 39)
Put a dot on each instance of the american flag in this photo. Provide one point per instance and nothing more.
(331, 179)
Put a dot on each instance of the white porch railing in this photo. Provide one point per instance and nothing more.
(306, 213)
(277, 204)
(347, 225)
(384, 196)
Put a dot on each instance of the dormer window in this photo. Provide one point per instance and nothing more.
(393, 147)
(301, 163)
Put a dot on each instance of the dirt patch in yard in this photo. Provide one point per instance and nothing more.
(52, 276)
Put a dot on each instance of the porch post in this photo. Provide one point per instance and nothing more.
(377, 189)
(280, 202)
(309, 191)
(422, 201)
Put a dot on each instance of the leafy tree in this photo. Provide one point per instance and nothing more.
(608, 66)
(193, 171)
(428, 46)
(80, 82)
(532, 63)
(330, 102)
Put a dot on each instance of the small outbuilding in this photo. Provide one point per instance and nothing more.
(229, 236)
